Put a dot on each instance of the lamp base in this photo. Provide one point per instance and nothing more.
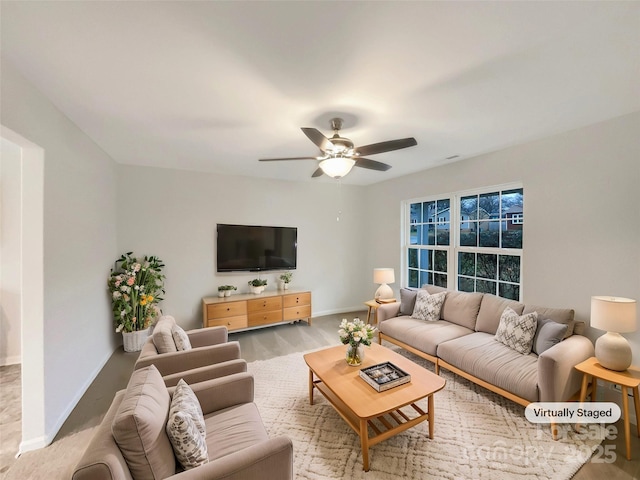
(384, 291)
(613, 351)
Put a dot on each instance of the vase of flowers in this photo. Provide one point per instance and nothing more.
(136, 286)
(285, 279)
(355, 334)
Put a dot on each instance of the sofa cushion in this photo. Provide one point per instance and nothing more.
(427, 307)
(425, 336)
(491, 309)
(233, 429)
(407, 300)
(560, 315)
(139, 426)
(180, 338)
(162, 336)
(461, 308)
(484, 358)
(517, 331)
(548, 333)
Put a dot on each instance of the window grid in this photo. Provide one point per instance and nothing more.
(483, 250)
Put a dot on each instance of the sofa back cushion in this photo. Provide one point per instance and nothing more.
(460, 308)
(139, 426)
(560, 315)
(162, 335)
(491, 310)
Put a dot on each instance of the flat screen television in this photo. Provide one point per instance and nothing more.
(254, 248)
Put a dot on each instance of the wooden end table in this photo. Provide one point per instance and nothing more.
(372, 305)
(361, 406)
(628, 379)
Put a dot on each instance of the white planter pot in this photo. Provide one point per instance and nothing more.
(133, 341)
(257, 290)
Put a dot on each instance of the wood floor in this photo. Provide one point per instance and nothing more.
(255, 345)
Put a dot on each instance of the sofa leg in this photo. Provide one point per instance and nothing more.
(437, 368)
(554, 430)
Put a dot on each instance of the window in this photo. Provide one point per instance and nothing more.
(429, 239)
(482, 245)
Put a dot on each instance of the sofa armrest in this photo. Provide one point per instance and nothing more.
(272, 458)
(223, 392)
(387, 310)
(184, 360)
(207, 372)
(558, 380)
(201, 337)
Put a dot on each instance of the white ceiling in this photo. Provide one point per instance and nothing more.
(213, 86)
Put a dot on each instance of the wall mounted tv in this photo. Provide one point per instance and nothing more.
(254, 248)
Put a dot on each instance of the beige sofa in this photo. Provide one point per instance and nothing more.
(463, 341)
(237, 442)
(211, 355)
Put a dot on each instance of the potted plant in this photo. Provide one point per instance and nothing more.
(257, 285)
(285, 278)
(136, 286)
(225, 290)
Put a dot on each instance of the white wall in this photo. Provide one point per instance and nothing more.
(173, 214)
(10, 253)
(79, 247)
(581, 208)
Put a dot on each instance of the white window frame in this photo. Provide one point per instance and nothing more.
(453, 249)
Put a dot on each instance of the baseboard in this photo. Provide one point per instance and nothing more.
(358, 308)
(13, 360)
(48, 437)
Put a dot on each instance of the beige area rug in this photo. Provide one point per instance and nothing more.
(478, 435)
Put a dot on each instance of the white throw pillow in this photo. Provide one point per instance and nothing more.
(180, 338)
(186, 428)
(428, 306)
(517, 332)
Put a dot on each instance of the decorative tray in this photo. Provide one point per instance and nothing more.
(384, 376)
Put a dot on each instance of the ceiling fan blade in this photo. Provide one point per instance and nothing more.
(387, 146)
(318, 138)
(289, 158)
(371, 164)
(317, 173)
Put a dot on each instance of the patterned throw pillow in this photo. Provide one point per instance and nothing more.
(181, 338)
(517, 331)
(428, 306)
(186, 428)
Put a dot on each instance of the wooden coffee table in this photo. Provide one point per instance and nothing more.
(361, 406)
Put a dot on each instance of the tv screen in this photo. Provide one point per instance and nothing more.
(255, 248)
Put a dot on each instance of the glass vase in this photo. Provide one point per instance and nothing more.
(355, 355)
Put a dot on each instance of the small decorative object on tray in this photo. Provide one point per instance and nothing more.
(384, 376)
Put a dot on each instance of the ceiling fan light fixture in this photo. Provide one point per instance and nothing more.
(337, 167)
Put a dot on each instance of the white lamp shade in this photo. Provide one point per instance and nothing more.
(613, 314)
(383, 275)
(337, 167)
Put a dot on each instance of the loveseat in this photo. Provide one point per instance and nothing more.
(462, 339)
(132, 442)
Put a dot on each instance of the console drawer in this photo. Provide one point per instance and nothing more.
(295, 313)
(222, 310)
(264, 304)
(264, 318)
(296, 299)
(232, 323)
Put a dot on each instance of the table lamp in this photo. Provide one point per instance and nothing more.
(383, 276)
(615, 315)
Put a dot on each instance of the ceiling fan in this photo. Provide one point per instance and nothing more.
(339, 155)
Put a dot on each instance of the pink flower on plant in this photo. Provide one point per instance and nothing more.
(131, 281)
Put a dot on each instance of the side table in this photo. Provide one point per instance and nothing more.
(372, 305)
(628, 379)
